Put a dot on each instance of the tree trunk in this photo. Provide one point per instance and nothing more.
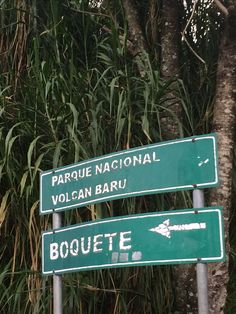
(170, 66)
(136, 33)
(138, 48)
(224, 124)
(184, 275)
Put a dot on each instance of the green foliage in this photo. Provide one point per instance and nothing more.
(70, 92)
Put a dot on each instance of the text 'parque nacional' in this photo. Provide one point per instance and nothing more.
(170, 166)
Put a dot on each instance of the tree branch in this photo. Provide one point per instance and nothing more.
(221, 7)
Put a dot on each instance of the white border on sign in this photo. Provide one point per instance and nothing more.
(174, 213)
(101, 199)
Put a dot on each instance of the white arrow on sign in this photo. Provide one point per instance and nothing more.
(165, 228)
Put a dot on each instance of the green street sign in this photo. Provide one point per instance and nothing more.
(182, 164)
(171, 237)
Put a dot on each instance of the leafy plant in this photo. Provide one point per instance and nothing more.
(69, 91)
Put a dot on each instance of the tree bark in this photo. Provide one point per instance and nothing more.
(136, 33)
(184, 275)
(136, 37)
(224, 124)
(170, 66)
(170, 39)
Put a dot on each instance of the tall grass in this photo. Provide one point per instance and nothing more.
(70, 92)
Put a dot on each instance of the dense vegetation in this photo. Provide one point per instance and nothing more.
(70, 89)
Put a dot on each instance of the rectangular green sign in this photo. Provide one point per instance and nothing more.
(171, 237)
(182, 164)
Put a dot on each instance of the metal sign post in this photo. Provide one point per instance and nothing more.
(202, 275)
(57, 279)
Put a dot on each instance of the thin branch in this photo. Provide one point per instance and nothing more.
(221, 7)
(185, 31)
(189, 21)
(194, 52)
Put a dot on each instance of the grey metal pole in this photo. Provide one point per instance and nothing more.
(202, 275)
(57, 279)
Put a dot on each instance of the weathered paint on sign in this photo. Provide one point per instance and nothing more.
(172, 237)
(163, 167)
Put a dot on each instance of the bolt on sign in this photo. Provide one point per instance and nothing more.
(182, 164)
(171, 237)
